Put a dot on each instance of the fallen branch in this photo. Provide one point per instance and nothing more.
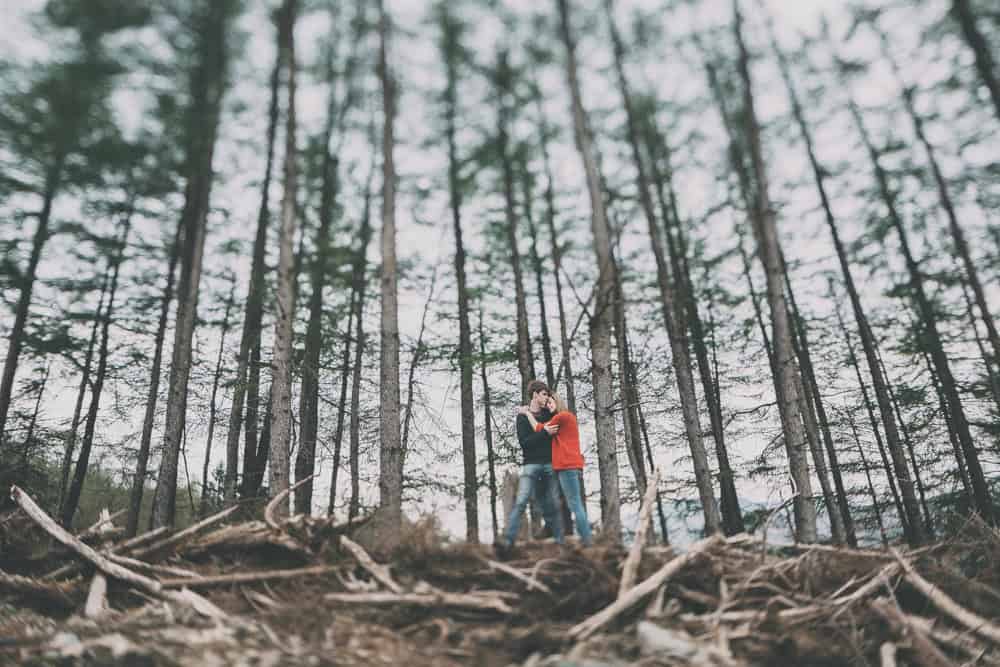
(631, 567)
(974, 622)
(97, 597)
(925, 653)
(178, 538)
(433, 599)
(587, 627)
(151, 568)
(60, 534)
(380, 572)
(272, 506)
(103, 524)
(248, 577)
(72, 568)
(59, 594)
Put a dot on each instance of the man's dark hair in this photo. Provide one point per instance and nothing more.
(536, 386)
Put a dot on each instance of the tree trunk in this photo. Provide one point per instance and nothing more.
(601, 322)
(980, 490)
(83, 461)
(203, 505)
(247, 361)
(538, 268)
(53, 179)
(488, 418)
(207, 88)
(305, 459)
(525, 356)
(629, 393)
(146, 440)
(451, 48)
(419, 351)
(868, 477)
(556, 255)
(281, 362)
(67, 462)
(358, 286)
(765, 229)
(390, 484)
(991, 377)
(732, 515)
(964, 14)
(842, 527)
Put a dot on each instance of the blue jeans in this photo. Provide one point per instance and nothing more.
(540, 476)
(572, 487)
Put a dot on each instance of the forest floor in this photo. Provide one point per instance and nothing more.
(306, 592)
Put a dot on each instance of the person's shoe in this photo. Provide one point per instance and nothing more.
(502, 549)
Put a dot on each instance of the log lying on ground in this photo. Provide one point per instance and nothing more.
(249, 577)
(62, 595)
(436, 598)
(117, 548)
(188, 533)
(270, 517)
(380, 572)
(97, 598)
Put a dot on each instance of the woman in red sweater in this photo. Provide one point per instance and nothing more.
(567, 462)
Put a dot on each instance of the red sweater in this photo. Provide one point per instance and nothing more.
(566, 454)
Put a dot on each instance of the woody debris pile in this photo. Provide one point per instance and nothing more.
(305, 591)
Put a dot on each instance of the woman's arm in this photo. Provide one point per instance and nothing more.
(531, 418)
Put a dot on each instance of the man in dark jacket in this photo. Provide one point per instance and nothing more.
(536, 469)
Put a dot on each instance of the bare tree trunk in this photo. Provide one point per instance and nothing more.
(451, 48)
(145, 442)
(67, 462)
(841, 525)
(203, 505)
(248, 358)
(207, 88)
(83, 461)
(765, 229)
(390, 484)
(629, 393)
(601, 322)
(53, 180)
(732, 516)
(964, 14)
(281, 383)
(980, 489)
(868, 477)
(556, 252)
(538, 269)
(991, 377)
(504, 86)
(488, 418)
(419, 352)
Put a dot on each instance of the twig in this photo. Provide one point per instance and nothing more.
(380, 572)
(587, 627)
(60, 534)
(974, 622)
(631, 566)
(272, 506)
(247, 577)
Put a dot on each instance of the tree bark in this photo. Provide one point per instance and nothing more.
(980, 489)
(765, 229)
(964, 14)
(146, 440)
(203, 505)
(868, 478)
(281, 362)
(538, 269)
(525, 355)
(207, 88)
(53, 180)
(602, 320)
(83, 461)
(67, 462)
(451, 48)
(556, 255)
(390, 484)
(488, 418)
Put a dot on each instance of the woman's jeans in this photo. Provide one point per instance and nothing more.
(540, 476)
(572, 488)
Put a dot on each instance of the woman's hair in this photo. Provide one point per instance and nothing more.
(560, 403)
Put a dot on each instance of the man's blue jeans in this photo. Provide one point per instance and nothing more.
(572, 488)
(541, 477)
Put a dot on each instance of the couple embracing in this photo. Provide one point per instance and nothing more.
(550, 446)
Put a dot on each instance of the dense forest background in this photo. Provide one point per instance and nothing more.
(756, 248)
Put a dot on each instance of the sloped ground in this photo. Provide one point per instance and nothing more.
(305, 592)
